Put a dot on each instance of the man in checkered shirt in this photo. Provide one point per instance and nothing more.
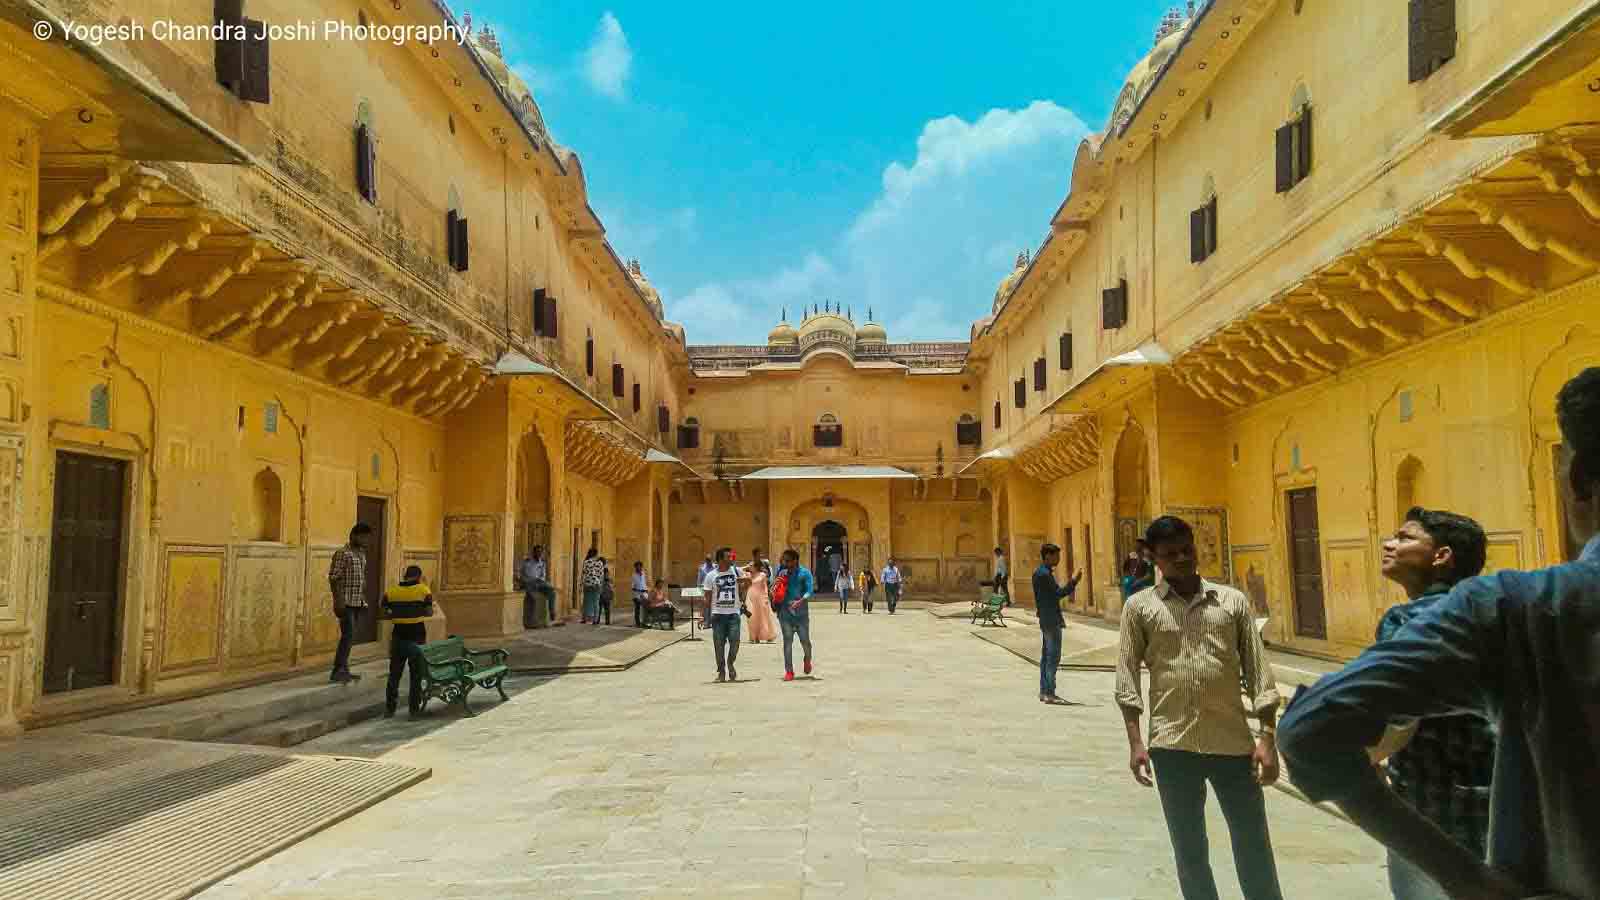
(1446, 768)
(347, 580)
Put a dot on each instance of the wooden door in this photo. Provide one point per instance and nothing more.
(1087, 585)
(85, 573)
(370, 510)
(1305, 561)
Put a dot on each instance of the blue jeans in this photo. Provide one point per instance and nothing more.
(792, 627)
(725, 641)
(591, 603)
(892, 591)
(1407, 882)
(844, 599)
(1049, 658)
(1181, 779)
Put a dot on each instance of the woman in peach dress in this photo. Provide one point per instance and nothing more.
(763, 623)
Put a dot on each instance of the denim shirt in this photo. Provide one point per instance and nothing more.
(801, 587)
(1521, 649)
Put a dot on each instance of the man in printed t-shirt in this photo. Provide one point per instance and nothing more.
(721, 585)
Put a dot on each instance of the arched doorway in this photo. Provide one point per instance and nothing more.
(535, 509)
(829, 550)
(658, 554)
(1132, 499)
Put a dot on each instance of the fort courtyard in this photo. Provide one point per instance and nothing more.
(322, 352)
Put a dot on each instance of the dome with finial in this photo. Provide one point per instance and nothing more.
(487, 45)
(1009, 283)
(783, 334)
(1169, 36)
(871, 332)
(651, 295)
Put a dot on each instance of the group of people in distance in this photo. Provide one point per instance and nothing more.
(533, 577)
(774, 602)
(1466, 739)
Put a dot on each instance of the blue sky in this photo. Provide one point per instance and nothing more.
(895, 156)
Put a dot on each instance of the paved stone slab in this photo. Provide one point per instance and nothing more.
(587, 648)
(88, 816)
(918, 763)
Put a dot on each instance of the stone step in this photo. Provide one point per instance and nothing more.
(297, 729)
(217, 716)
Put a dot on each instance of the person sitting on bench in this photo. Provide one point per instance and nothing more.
(661, 606)
(409, 606)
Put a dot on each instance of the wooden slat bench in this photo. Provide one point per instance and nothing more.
(989, 609)
(453, 671)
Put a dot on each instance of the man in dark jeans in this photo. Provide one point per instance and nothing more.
(347, 579)
(1446, 769)
(1047, 596)
(1200, 642)
(409, 606)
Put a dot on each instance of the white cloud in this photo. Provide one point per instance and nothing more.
(928, 251)
(609, 60)
(743, 311)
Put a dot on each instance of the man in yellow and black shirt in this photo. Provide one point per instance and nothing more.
(409, 605)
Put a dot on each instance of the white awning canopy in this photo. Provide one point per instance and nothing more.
(825, 473)
(1125, 371)
(653, 455)
(998, 453)
(512, 363)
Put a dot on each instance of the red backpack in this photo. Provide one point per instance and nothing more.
(780, 588)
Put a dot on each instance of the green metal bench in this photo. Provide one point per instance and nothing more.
(453, 671)
(989, 610)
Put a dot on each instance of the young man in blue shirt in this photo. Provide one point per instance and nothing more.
(794, 616)
(1521, 649)
(1047, 596)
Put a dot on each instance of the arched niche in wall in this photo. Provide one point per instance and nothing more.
(266, 506)
(1131, 482)
(1408, 487)
(534, 504)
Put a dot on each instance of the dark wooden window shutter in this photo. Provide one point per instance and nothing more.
(688, 437)
(619, 385)
(1039, 374)
(997, 415)
(229, 52)
(1197, 235)
(1108, 308)
(588, 357)
(1420, 39)
(539, 308)
(461, 244)
(969, 434)
(451, 235)
(1303, 145)
(638, 402)
(663, 419)
(1431, 28)
(1122, 302)
(1019, 389)
(257, 84)
(552, 320)
(1211, 226)
(366, 164)
(1441, 32)
(1066, 351)
(1285, 157)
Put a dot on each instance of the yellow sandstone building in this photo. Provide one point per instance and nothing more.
(254, 291)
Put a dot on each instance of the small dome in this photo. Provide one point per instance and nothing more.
(980, 325)
(1009, 283)
(871, 333)
(488, 46)
(651, 295)
(784, 333)
(1169, 35)
(826, 321)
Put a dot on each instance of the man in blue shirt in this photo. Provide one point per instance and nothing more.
(1047, 596)
(794, 617)
(1447, 766)
(1521, 649)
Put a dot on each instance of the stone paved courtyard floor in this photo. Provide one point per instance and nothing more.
(918, 764)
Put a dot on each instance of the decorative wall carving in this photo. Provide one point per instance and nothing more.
(321, 629)
(192, 610)
(10, 522)
(265, 587)
(1210, 540)
(472, 553)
